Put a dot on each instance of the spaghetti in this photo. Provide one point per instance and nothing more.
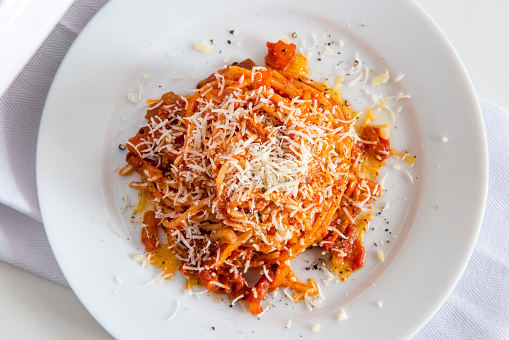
(258, 165)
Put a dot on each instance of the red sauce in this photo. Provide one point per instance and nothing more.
(381, 149)
(149, 235)
(280, 54)
(261, 78)
(253, 299)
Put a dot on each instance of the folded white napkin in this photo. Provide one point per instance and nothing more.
(23, 241)
(478, 307)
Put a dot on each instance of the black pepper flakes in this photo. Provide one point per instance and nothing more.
(121, 146)
(294, 35)
(141, 131)
(229, 42)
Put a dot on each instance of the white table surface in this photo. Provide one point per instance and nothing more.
(34, 308)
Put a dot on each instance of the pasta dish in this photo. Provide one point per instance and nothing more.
(257, 166)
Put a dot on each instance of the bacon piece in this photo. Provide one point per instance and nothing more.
(248, 64)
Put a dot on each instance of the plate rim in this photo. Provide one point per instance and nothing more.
(474, 103)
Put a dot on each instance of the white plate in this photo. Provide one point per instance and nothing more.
(27, 21)
(432, 223)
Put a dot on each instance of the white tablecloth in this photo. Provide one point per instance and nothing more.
(478, 307)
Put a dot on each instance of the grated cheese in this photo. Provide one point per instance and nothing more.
(289, 324)
(381, 79)
(288, 295)
(316, 328)
(342, 315)
(313, 45)
(202, 46)
(398, 78)
(409, 177)
(176, 310)
(158, 277)
(265, 310)
(141, 90)
(237, 299)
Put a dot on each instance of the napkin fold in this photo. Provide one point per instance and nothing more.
(478, 308)
(23, 241)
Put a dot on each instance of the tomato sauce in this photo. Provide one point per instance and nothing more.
(280, 54)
